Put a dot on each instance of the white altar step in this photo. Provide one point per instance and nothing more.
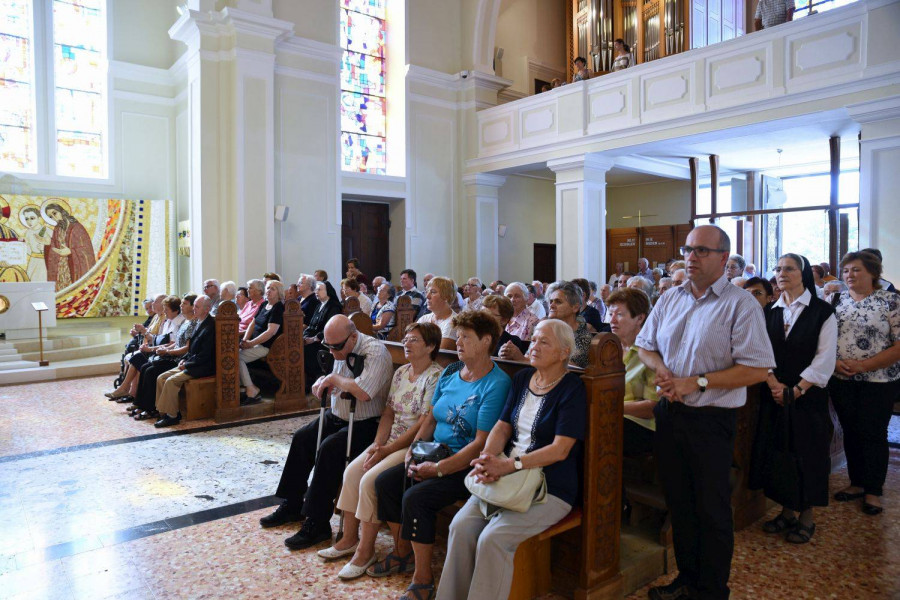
(73, 351)
(107, 364)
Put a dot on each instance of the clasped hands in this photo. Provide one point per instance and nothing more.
(488, 468)
(672, 388)
(849, 367)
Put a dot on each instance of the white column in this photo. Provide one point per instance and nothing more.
(482, 193)
(231, 107)
(581, 216)
(879, 180)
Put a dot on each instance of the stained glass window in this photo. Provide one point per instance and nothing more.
(80, 77)
(17, 104)
(363, 106)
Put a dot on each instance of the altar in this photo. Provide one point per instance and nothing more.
(18, 319)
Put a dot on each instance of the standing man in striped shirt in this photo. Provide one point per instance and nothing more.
(706, 340)
(370, 388)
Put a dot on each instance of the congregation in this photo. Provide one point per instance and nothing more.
(695, 333)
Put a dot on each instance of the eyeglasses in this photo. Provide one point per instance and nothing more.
(410, 340)
(699, 251)
(337, 347)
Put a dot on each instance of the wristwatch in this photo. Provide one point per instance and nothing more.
(437, 467)
(702, 382)
(517, 463)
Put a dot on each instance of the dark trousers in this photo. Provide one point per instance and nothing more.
(150, 372)
(329, 472)
(694, 449)
(311, 363)
(416, 509)
(864, 410)
(637, 439)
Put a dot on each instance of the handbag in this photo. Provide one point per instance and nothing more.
(516, 491)
(423, 451)
(784, 481)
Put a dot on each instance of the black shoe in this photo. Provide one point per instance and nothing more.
(167, 421)
(283, 514)
(676, 590)
(310, 534)
(247, 400)
(125, 400)
(871, 509)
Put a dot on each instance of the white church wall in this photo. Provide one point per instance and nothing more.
(140, 32)
(433, 34)
(527, 208)
(530, 30)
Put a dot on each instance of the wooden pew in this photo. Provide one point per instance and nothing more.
(406, 315)
(362, 321)
(285, 359)
(581, 552)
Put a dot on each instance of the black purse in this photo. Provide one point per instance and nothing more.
(423, 452)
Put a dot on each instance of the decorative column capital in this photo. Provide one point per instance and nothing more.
(593, 162)
(485, 179)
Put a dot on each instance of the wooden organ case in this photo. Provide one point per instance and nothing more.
(652, 28)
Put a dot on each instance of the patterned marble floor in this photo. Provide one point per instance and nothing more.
(77, 503)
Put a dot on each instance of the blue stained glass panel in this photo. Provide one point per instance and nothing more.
(362, 114)
(363, 153)
(362, 74)
(369, 7)
(79, 69)
(361, 33)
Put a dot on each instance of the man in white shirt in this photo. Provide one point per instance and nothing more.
(533, 304)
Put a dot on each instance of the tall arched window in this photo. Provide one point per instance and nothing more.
(363, 105)
(58, 124)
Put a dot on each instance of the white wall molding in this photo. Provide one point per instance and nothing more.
(438, 79)
(535, 69)
(309, 49)
(307, 75)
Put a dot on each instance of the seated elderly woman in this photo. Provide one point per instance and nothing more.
(523, 320)
(165, 357)
(259, 338)
(228, 293)
(350, 289)
(439, 296)
(502, 310)
(256, 290)
(541, 426)
(630, 308)
(412, 388)
(329, 305)
(467, 402)
(642, 284)
(565, 303)
(170, 307)
(384, 312)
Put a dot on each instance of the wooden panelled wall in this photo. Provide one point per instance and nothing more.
(657, 244)
(652, 28)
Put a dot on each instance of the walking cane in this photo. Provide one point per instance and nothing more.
(326, 363)
(355, 362)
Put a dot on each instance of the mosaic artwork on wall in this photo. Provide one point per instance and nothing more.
(105, 255)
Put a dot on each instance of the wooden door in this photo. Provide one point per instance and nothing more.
(365, 235)
(658, 244)
(545, 262)
(622, 247)
(681, 233)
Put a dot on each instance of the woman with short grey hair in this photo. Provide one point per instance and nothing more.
(259, 337)
(541, 427)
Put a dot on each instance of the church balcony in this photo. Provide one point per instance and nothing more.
(825, 62)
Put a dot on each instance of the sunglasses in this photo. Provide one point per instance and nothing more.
(337, 347)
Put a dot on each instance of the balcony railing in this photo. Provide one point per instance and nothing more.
(821, 62)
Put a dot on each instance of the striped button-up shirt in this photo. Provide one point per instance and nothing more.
(375, 379)
(698, 336)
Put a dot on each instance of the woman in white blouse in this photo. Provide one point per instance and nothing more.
(803, 333)
(866, 382)
(439, 295)
(410, 397)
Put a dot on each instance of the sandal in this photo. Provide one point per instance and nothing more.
(801, 534)
(390, 565)
(780, 524)
(414, 592)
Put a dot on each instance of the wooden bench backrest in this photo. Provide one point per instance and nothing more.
(604, 380)
(285, 359)
(351, 305)
(405, 316)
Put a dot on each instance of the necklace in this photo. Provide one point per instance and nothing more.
(541, 388)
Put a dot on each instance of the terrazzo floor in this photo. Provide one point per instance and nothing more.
(62, 514)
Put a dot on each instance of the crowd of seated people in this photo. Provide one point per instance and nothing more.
(829, 339)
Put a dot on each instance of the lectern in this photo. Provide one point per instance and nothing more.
(40, 307)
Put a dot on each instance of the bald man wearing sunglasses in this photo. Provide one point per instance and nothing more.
(314, 503)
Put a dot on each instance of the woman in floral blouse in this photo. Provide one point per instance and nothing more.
(867, 375)
(410, 397)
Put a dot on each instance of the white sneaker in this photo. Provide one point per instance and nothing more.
(333, 553)
(351, 571)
